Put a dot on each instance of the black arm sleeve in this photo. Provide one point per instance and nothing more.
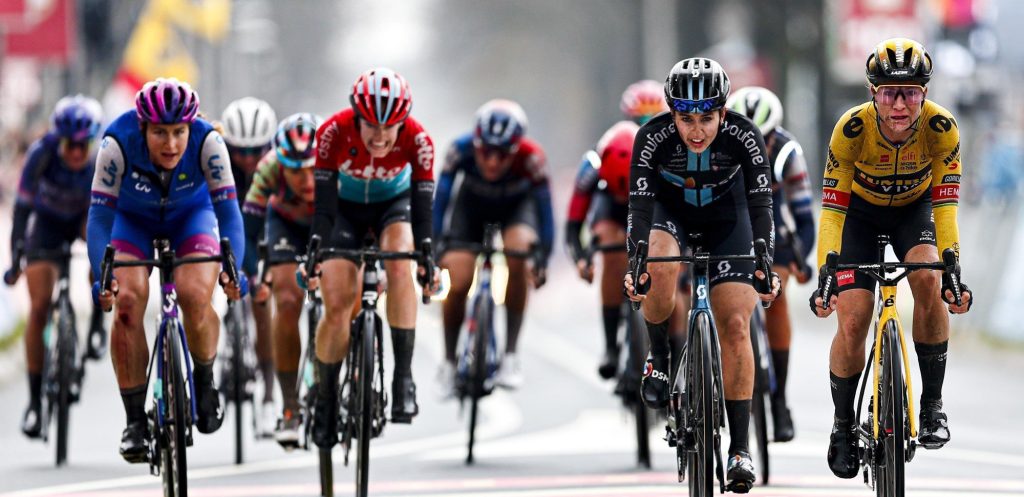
(21, 214)
(757, 180)
(253, 234)
(642, 189)
(422, 206)
(572, 239)
(326, 205)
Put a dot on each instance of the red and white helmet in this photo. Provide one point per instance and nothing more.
(381, 97)
(643, 100)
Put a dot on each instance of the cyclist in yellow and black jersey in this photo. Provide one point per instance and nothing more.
(899, 156)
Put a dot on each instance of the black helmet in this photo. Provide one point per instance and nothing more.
(696, 85)
(899, 61)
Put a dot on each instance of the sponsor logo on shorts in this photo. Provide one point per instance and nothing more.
(844, 278)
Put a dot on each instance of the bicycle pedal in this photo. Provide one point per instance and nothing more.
(670, 437)
(911, 450)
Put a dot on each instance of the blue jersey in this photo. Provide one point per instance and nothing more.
(48, 186)
(127, 183)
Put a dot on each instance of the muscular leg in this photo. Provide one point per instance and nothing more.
(657, 308)
(518, 237)
(40, 277)
(129, 352)
(779, 335)
(195, 284)
(285, 331)
(264, 346)
(931, 341)
(339, 291)
(614, 266)
(460, 271)
(732, 304)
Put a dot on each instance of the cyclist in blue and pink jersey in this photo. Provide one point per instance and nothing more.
(50, 210)
(374, 175)
(503, 180)
(601, 196)
(164, 173)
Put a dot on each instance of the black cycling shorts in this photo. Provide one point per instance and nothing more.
(469, 214)
(604, 208)
(724, 227)
(286, 240)
(357, 220)
(907, 227)
(49, 233)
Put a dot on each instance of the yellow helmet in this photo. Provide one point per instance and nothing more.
(899, 61)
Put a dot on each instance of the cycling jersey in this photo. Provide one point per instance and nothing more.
(603, 173)
(525, 180)
(161, 203)
(363, 179)
(702, 184)
(791, 189)
(270, 189)
(924, 168)
(50, 189)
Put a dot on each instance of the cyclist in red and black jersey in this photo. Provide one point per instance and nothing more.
(601, 195)
(374, 174)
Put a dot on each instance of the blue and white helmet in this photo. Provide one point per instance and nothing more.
(500, 124)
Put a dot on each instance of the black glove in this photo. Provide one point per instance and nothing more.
(947, 285)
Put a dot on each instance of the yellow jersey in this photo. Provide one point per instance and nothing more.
(862, 161)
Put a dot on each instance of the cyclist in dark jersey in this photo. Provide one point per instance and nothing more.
(50, 210)
(791, 190)
(702, 169)
(504, 181)
(601, 196)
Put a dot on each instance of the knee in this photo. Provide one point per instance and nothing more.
(925, 287)
(736, 328)
(853, 330)
(288, 305)
(39, 311)
(398, 273)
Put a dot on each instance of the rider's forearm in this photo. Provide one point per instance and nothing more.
(98, 232)
(21, 215)
(763, 224)
(421, 204)
(804, 228)
(441, 198)
(545, 214)
(229, 219)
(253, 234)
(572, 239)
(326, 205)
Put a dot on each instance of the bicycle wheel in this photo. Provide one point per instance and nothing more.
(636, 333)
(759, 403)
(481, 322)
(364, 392)
(66, 371)
(892, 417)
(237, 394)
(701, 420)
(173, 437)
(326, 473)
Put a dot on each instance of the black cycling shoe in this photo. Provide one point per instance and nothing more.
(783, 422)
(96, 340)
(325, 420)
(740, 476)
(934, 425)
(609, 364)
(843, 457)
(31, 422)
(655, 388)
(209, 413)
(134, 442)
(403, 392)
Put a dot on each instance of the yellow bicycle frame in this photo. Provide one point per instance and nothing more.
(886, 313)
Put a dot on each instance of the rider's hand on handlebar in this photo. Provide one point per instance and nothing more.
(261, 292)
(816, 304)
(105, 298)
(11, 276)
(311, 283)
(539, 276)
(233, 289)
(627, 282)
(965, 300)
(586, 270)
(775, 286)
(801, 277)
(429, 287)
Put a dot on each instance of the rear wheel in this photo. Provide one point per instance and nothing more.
(480, 334)
(699, 390)
(364, 391)
(636, 333)
(66, 372)
(173, 438)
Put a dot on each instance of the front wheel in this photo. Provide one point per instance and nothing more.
(701, 412)
(173, 436)
(480, 335)
(67, 371)
(364, 391)
(892, 419)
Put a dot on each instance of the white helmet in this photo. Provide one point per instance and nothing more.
(760, 105)
(249, 123)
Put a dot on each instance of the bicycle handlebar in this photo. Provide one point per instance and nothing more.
(879, 271)
(226, 258)
(315, 254)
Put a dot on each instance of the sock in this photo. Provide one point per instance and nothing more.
(289, 394)
(267, 370)
(515, 323)
(738, 412)
(451, 340)
(843, 392)
(402, 340)
(134, 400)
(932, 360)
(96, 320)
(327, 380)
(35, 387)
(658, 334)
(780, 362)
(610, 317)
(202, 372)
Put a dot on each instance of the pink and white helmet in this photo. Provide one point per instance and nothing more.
(166, 101)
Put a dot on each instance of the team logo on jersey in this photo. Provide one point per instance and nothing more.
(724, 266)
(762, 181)
(940, 123)
(641, 184)
(853, 127)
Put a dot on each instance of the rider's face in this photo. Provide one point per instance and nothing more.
(379, 140)
(492, 161)
(301, 182)
(166, 143)
(899, 106)
(75, 154)
(698, 129)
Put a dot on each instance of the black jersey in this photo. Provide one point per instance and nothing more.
(663, 170)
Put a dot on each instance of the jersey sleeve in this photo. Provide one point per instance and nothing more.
(106, 186)
(837, 184)
(421, 203)
(216, 168)
(757, 181)
(797, 188)
(946, 173)
(582, 195)
(27, 187)
(643, 186)
(536, 166)
(445, 183)
(254, 211)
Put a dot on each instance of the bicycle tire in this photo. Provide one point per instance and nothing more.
(636, 333)
(326, 473)
(365, 396)
(892, 418)
(173, 438)
(482, 322)
(759, 404)
(699, 389)
(237, 375)
(66, 334)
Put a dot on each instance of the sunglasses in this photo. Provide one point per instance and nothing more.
(250, 151)
(73, 144)
(491, 150)
(689, 106)
(887, 95)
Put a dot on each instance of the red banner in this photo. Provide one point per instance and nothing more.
(862, 24)
(47, 33)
